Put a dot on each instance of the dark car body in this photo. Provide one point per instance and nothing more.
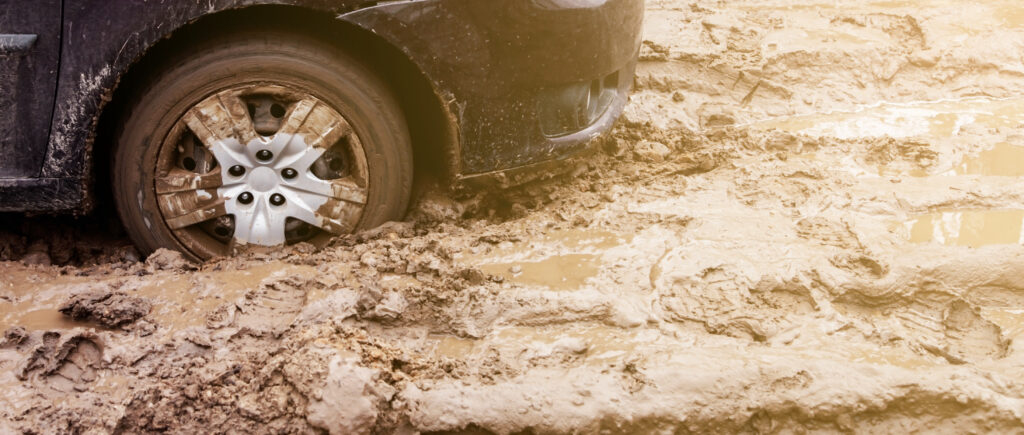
(515, 82)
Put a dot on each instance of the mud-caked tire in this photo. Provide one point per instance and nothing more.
(302, 72)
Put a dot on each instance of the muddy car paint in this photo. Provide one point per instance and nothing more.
(29, 47)
(492, 64)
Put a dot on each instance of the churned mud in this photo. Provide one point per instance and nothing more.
(809, 219)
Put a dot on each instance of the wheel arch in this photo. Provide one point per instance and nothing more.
(433, 129)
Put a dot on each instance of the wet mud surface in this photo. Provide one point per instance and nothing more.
(809, 219)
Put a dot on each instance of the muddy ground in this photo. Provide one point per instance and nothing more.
(809, 219)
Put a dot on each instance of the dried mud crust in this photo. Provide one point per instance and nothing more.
(702, 274)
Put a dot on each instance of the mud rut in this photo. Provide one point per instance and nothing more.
(808, 220)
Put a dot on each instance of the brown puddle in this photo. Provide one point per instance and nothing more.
(933, 120)
(180, 303)
(602, 344)
(597, 343)
(1009, 319)
(560, 272)
(1001, 160)
(30, 298)
(973, 228)
(45, 319)
(821, 345)
(1007, 13)
(562, 260)
(942, 119)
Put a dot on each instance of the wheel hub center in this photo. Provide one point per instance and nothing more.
(263, 179)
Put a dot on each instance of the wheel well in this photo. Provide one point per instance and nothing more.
(433, 132)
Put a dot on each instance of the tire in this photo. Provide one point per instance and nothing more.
(269, 60)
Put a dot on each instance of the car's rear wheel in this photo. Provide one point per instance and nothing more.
(262, 140)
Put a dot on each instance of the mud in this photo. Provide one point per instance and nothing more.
(809, 219)
(108, 309)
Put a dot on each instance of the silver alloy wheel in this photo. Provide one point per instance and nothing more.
(255, 171)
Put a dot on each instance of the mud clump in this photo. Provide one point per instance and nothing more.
(108, 309)
(649, 151)
(166, 259)
(351, 399)
(14, 336)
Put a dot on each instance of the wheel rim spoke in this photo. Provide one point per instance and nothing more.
(303, 160)
(260, 224)
(187, 198)
(220, 118)
(303, 212)
(184, 181)
(344, 189)
(347, 190)
(285, 142)
(262, 192)
(338, 217)
(332, 206)
(316, 124)
(183, 209)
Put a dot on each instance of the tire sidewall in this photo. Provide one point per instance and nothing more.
(340, 82)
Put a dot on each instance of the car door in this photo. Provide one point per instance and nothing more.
(29, 56)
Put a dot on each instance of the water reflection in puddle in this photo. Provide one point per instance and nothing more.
(973, 228)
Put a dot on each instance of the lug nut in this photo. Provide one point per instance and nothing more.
(289, 173)
(236, 171)
(245, 198)
(277, 199)
(264, 155)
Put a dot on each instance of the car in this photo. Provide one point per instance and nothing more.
(220, 124)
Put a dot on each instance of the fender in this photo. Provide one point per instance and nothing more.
(101, 41)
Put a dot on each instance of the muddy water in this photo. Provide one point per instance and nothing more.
(42, 320)
(1003, 159)
(939, 119)
(973, 228)
(1009, 319)
(31, 297)
(602, 345)
(560, 260)
(935, 122)
(596, 344)
(984, 15)
(775, 293)
(180, 304)
(558, 272)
